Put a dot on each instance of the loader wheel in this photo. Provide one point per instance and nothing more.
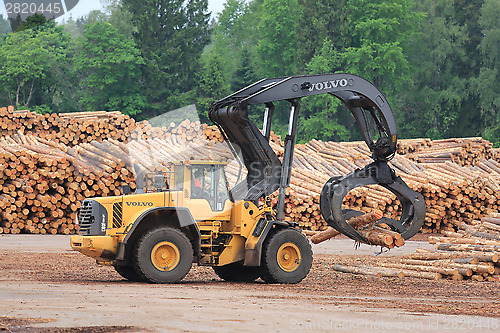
(128, 273)
(163, 255)
(286, 257)
(236, 272)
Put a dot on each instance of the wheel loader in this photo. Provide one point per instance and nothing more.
(156, 236)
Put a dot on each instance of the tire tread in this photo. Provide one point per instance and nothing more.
(140, 268)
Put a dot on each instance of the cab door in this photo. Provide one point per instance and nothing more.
(208, 193)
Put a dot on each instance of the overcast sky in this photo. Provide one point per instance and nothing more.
(85, 6)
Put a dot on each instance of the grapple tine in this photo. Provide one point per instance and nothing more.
(376, 173)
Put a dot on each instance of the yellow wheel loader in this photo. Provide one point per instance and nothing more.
(156, 236)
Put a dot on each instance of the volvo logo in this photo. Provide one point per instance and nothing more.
(139, 204)
(318, 86)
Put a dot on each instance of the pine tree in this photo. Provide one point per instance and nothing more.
(171, 35)
(245, 74)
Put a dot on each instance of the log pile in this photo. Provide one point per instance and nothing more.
(464, 151)
(495, 154)
(108, 143)
(407, 146)
(365, 225)
(75, 128)
(186, 130)
(42, 183)
(452, 192)
(68, 128)
(471, 253)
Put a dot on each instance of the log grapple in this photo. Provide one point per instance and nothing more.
(266, 173)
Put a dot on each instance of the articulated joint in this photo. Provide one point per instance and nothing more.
(381, 171)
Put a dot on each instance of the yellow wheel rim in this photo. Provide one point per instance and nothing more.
(165, 256)
(289, 257)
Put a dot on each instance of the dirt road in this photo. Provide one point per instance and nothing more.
(50, 289)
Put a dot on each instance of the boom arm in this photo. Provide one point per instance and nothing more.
(266, 173)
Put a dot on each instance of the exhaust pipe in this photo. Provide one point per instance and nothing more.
(139, 179)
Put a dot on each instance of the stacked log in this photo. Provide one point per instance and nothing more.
(452, 192)
(75, 128)
(464, 151)
(110, 142)
(43, 183)
(83, 127)
(471, 253)
(473, 250)
(67, 128)
(186, 130)
(366, 226)
(407, 146)
(495, 154)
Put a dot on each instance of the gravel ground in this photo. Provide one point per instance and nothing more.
(63, 291)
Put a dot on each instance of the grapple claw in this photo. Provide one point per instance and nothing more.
(376, 173)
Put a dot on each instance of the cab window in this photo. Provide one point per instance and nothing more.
(178, 178)
(208, 183)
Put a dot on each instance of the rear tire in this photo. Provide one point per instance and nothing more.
(236, 272)
(163, 255)
(286, 257)
(127, 273)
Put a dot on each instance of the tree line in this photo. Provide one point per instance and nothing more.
(437, 61)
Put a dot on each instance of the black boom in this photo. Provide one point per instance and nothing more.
(266, 173)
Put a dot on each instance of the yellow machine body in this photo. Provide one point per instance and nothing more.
(221, 232)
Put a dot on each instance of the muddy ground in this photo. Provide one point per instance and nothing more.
(62, 291)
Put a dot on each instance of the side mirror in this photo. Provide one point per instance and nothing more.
(159, 182)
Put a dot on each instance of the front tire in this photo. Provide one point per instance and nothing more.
(127, 272)
(163, 255)
(286, 257)
(236, 272)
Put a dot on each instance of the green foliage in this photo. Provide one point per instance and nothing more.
(110, 63)
(29, 60)
(436, 90)
(320, 20)
(323, 125)
(171, 35)
(96, 15)
(379, 31)
(119, 17)
(15, 22)
(4, 26)
(493, 134)
(443, 98)
(277, 45)
(229, 34)
(319, 118)
(31, 22)
(115, 14)
(487, 85)
(245, 72)
(72, 28)
(436, 60)
(41, 109)
(213, 85)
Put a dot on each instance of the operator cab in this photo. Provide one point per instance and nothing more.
(205, 179)
(198, 181)
(208, 182)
